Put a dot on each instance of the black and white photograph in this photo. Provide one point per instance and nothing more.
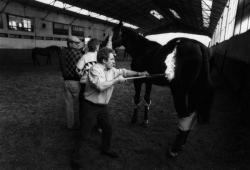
(124, 84)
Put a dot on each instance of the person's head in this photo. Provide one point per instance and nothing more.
(73, 42)
(106, 56)
(93, 45)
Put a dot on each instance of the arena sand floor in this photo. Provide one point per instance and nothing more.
(33, 135)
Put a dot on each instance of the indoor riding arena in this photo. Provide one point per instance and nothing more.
(33, 125)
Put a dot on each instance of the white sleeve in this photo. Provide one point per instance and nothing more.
(120, 72)
(80, 64)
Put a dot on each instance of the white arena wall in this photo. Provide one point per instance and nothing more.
(12, 39)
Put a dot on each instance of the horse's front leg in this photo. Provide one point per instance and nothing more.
(137, 86)
(147, 102)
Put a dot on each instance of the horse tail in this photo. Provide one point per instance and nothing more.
(206, 93)
(206, 66)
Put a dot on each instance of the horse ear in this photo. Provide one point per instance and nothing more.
(120, 24)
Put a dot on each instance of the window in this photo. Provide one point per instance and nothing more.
(20, 23)
(39, 38)
(60, 29)
(78, 31)
(1, 21)
(48, 38)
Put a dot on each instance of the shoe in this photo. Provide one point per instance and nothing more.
(173, 153)
(110, 153)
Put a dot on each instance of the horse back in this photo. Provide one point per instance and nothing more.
(141, 59)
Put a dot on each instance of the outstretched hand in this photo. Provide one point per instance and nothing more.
(144, 73)
(121, 79)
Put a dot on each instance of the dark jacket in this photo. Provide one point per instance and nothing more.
(68, 60)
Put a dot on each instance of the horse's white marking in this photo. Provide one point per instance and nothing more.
(170, 63)
(143, 102)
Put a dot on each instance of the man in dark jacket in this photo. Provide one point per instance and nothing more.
(68, 60)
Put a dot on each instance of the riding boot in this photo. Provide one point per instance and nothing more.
(179, 142)
(135, 116)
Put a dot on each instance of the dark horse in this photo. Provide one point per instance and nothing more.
(139, 64)
(190, 83)
(47, 51)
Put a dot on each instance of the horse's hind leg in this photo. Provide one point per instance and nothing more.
(147, 102)
(186, 118)
(137, 85)
(185, 124)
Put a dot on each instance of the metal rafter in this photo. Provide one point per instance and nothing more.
(137, 12)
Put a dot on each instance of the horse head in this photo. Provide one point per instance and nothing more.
(117, 35)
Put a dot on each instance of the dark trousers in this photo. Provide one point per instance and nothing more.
(91, 115)
(81, 98)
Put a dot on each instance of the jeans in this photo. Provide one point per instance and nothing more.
(71, 97)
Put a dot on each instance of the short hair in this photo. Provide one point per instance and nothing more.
(92, 44)
(103, 54)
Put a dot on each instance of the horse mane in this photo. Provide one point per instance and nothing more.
(139, 38)
(138, 45)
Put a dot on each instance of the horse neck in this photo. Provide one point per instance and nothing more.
(130, 47)
(138, 47)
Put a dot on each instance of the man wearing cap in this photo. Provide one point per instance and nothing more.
(68, 60)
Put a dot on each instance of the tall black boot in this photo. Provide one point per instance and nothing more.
(179, 142)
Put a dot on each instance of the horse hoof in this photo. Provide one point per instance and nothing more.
(173, 153)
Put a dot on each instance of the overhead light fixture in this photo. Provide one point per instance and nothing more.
(206, 6)
(156, 14)
(175, 13)
(85, 12)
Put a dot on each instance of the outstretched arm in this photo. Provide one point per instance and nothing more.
(130, 73)
(94, 78)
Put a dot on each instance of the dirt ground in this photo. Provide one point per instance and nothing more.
(33, 134)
